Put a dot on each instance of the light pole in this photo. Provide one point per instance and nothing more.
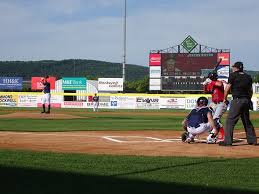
(124, 41)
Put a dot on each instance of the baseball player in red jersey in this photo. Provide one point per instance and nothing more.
(216, 88)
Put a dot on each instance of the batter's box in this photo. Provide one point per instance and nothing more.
(135, 139)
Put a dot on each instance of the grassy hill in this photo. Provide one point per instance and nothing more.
(65, 68)
(91, 69)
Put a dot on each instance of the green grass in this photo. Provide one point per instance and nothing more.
(96, 121)
(40, 172)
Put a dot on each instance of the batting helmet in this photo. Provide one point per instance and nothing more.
(213, 76)
(202, 101)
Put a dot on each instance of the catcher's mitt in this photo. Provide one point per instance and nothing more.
(184, 136)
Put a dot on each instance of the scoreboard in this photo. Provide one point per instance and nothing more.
(187, 64)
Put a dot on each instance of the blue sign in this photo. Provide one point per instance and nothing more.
(114, 103)
(11, 83)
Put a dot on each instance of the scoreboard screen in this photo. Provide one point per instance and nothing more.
(182, 83)
(187, 64)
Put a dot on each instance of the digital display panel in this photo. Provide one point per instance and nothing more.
(187, 64)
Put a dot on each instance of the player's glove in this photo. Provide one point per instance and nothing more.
(207, 81)
(226, 102)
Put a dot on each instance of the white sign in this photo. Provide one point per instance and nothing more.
(173, 103)
(154, 84)
(190, 102)
(110, 84)
(27, 100)
(126, 102)
(73, 104)
(223, 71)
(155, 71)
(147, 103)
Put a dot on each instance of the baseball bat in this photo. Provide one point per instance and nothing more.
(217, 64)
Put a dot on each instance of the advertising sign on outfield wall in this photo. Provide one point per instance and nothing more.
(101, 105)
(36, 83)
(172, 103)
(147, 103)
(8, 100)
(256, 104)
(73, 83)
(155, 71)
(124, 102)
(73, 104)
(110, 84)
(29, 100)
(11, 83)
(190, 102)
(55, 101)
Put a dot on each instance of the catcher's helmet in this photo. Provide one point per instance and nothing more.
(202, 101)
(213, 76)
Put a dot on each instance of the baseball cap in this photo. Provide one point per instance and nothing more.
(238, 65)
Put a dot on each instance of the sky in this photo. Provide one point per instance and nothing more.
(84, 29)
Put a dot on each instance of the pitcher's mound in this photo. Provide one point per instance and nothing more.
(34, 115)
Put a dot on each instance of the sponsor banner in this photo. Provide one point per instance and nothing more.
(126, 102)
(110, 84)
(9, 100)
(225, 58)
(257, 104)
(55, 101)
(28, 100)
(101, 105)
(154, 87)
(154, 59)
(190, 102)
(143, 103)
(101, 98)
(155, 71)
(74, 83)
(154, 84)
(11, 83)
(173, 103)
(36, 83)
(223, 71)
(73, 104)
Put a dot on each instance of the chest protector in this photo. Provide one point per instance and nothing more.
(198, 116)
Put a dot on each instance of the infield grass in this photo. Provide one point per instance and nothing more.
(111, 120)
(24, 172)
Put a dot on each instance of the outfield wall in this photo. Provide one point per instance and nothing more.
(109, 101)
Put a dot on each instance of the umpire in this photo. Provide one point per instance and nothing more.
(240, 85)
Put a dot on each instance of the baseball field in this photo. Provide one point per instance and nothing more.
(118, 151)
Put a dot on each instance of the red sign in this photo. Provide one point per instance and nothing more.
(154, 59)
(37, 85)
(225, 58)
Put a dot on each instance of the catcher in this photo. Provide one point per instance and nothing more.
(198, 121)
(215, 87)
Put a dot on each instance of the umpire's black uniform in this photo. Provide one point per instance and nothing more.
(240, 84)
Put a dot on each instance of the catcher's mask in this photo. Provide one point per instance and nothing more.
(213, 76)
(202, 101)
